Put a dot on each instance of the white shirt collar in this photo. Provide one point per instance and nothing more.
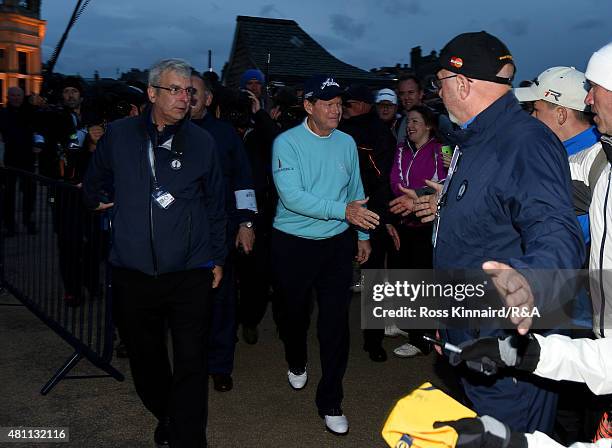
(313, 133)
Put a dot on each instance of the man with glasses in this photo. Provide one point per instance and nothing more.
(507, 198)
(168, 247)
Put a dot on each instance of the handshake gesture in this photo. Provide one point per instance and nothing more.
(358, 215)
(423, 206)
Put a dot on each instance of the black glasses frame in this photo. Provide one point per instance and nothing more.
(190, 91)
(436, 83)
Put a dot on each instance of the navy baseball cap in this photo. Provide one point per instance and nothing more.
(476, 55)
(323, 87)
(359, 92)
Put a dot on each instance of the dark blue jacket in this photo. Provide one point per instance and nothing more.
(510, 198)
(235, 166)
(191, 232)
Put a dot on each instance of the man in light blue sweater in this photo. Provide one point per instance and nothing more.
(316, 172)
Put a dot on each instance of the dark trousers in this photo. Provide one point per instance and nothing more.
(27, 186)
(81, 243)
(381, 245)
(299, 265)
(416, 252)
(148, 305)
(525, 405)
(222, 337)
(254, 278)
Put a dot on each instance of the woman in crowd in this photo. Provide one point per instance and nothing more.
(417, 159)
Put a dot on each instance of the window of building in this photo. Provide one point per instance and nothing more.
(2, 61)
(24, 4)
(1, 85)
(22, 60)
(21, 82)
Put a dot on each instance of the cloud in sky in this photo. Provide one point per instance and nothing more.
(122, 34)
(346, 26)
(269, 10)
(395, 7)
(515, 27)
(589, 25)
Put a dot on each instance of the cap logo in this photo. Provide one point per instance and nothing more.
(553, 93)
(456, 62)
(507, 56)
(329, 82)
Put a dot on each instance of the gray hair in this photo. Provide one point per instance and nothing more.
(180, 66)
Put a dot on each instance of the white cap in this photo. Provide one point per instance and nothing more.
(599, 69)
(386, 95)
(563, 86)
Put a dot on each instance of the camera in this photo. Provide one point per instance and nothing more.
(291, 110)
(236, 108)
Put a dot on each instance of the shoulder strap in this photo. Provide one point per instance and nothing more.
(597, 168)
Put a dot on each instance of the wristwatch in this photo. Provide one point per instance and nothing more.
(247, 224)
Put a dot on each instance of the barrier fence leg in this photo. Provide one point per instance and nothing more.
(114, 373)
(62, 372)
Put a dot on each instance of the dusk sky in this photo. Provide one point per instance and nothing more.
(120, 34)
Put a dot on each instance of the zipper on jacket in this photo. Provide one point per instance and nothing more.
(153, 252)
(188, 232)
(414, 156)
(601, 260)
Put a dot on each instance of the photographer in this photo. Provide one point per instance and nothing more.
(79, 233)
(287, 111)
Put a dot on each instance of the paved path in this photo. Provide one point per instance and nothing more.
(261, 411)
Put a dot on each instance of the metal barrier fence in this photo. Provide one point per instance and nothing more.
(53, 259)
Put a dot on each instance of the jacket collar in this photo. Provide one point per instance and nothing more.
(174, 132)
(606, 144)
(488, 118)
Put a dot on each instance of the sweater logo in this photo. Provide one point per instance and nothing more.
(280, 167)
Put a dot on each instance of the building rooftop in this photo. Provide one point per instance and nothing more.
(294, 54)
